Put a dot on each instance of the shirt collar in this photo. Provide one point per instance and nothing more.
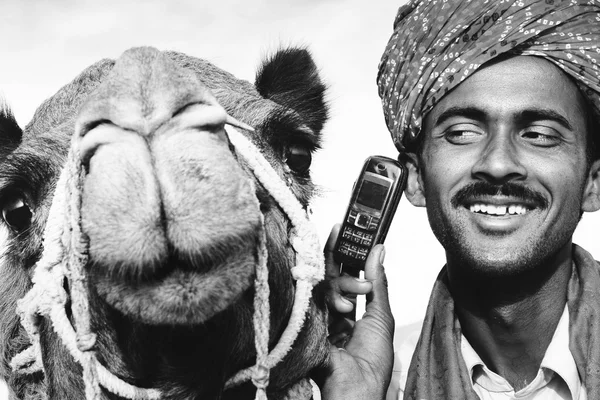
(558, 359)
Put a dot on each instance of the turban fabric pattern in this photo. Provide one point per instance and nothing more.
(437, 44)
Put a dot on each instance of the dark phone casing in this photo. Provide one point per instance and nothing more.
(370, 212)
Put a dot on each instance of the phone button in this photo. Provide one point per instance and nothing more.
(367, 239)
(345, 248)
(362, 221)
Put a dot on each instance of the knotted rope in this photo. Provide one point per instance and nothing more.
(65, 255)
(309, 269)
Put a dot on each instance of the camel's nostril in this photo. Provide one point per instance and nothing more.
(92, 125)
(201, 116)
(101, 133)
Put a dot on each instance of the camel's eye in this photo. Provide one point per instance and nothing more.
(16, 213)
(298, 158)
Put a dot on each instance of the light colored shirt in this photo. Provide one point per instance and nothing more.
(557, 378)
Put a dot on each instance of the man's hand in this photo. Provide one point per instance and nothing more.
(362, 355)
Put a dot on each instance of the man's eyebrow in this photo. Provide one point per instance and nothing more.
(539, 114)
(461, 111)
(527, 115)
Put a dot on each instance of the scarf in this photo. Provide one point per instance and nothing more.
(438, 371)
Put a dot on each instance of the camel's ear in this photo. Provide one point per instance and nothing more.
(414, 184)
(591, 195)
(290, 78)
(10, 132)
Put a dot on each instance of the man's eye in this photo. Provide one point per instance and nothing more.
(540, 138)
(462, 136)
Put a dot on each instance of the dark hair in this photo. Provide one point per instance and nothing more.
(592, 150)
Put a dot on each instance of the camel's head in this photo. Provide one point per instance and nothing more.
(172, 215)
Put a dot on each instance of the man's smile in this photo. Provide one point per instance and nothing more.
(509, 197)
(498, 210)
(500, 214)
(494, 217)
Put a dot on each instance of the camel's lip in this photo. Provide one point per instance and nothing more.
(180, 289)
(183, 295)
(210, 255)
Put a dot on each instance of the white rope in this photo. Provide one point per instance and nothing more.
(65, 254)
(310, 268)
(63, 257)
(261, 319)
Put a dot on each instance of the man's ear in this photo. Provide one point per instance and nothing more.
(414, 185)
(591, 195)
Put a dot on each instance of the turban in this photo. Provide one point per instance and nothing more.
(437, 44)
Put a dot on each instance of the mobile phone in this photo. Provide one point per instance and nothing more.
(375, 197)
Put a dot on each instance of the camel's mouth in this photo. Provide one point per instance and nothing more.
(183, 295)
(173, 224)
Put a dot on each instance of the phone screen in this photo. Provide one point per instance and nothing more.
(372, 195)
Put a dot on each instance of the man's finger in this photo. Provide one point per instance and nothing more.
(350, 285)
(338, 303)
(378, 313)
(375, 273)
(342, 292)
(372, 336)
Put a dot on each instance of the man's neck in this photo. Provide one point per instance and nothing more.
(510, 322)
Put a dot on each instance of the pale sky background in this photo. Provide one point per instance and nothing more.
(45, 44)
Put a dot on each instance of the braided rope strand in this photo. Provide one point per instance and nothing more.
(311, 266)
(64, 256)
(76, 259)
(261, 318)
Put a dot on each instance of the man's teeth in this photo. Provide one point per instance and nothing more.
(513, 209)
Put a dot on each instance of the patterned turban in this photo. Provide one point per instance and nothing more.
(437, 44)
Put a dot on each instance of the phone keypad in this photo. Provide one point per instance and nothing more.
(356, 236)
(354, 242)
(353, 251)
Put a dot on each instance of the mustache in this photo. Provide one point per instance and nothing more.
(509, 189)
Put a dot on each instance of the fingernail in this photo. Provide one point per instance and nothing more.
(347, 302)
(360, 280)
(382, 256)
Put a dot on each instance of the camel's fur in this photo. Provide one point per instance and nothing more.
(145, 343)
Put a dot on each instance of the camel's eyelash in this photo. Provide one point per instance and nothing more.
(286, 127)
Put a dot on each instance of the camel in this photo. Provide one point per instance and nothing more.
(149, 250)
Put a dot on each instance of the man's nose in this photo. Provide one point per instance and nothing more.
(500, 159)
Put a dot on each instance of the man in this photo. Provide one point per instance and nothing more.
(494, 107)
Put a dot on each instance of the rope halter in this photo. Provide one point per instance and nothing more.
(65, 255)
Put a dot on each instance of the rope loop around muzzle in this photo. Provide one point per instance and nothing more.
(309, 255)
(65, 255)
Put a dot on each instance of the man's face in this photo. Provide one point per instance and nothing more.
(503, 167)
